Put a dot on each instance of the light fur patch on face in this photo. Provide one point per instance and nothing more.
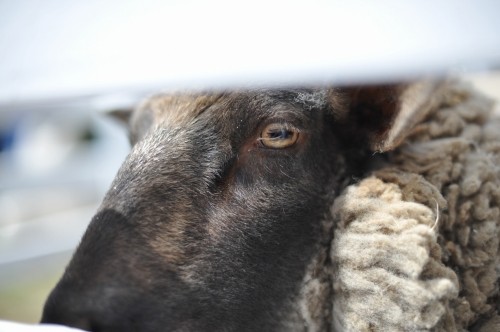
(168, 239)
(313, 100)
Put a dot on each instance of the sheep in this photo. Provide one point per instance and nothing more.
(368, 208)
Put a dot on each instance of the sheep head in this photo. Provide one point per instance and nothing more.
(219, 218)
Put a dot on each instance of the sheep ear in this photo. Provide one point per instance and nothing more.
(121, 115)
(384, 115)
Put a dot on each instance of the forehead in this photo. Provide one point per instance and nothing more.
(176, 108)
(182, 108)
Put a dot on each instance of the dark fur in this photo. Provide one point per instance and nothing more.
(204, 229)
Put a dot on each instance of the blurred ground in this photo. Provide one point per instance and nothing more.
(23, 292)
(55, 166)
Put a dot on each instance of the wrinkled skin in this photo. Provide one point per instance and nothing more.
(204, 227)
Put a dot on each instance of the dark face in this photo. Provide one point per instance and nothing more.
(214, 219)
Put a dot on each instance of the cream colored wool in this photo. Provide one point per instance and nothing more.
(416, 243)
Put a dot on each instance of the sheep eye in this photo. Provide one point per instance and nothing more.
(278, 136)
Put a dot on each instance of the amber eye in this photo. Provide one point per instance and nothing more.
(279, 136)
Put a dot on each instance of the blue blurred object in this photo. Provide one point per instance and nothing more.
(7, 137)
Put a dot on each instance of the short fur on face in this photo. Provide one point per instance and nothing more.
(205, 228)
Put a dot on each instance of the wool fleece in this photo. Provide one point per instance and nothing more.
(416, 242)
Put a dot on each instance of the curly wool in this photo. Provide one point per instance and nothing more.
(382, 246)
(416, 244)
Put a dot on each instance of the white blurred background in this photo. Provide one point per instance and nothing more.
(64, 63)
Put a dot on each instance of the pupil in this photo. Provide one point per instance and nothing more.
(279, 134)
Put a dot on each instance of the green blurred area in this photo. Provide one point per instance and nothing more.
(24, 287)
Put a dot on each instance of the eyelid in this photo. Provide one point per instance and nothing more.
(286, 124)
(284, 118)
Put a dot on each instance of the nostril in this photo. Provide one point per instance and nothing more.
(96, 310)
(82, 324)
(66, 313)
(74, 322)
(61, 318)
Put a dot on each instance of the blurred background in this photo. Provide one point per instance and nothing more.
(55, 166)
(64, 65)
